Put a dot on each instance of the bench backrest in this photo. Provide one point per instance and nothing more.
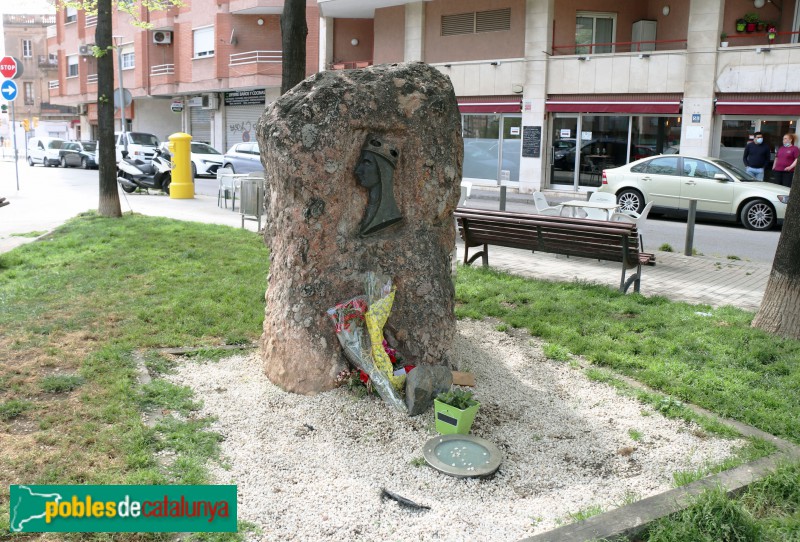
(612, 241)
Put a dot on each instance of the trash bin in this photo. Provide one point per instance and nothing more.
(251, 203)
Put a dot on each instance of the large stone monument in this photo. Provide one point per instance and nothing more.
(363, 171)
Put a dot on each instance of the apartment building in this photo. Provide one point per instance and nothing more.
(207, 68)
(25, 38)
(550, 92)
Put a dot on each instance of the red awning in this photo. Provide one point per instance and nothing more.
(490, 104)
(783, 104)
(783, 109)
(663, 104)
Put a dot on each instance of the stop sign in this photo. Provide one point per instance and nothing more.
(8, 67)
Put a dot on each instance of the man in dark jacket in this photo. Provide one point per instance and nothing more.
(756, 156)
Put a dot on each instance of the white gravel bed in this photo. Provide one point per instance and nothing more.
(565, 439)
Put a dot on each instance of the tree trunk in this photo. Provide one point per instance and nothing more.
(293, 38)
(780, 309)
(108, 205)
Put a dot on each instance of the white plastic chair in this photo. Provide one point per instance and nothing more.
(544, 208)
(599, 214)
(227, 187)
(632, 217)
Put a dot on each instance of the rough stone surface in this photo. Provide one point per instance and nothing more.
(423, 384)
(311, 141)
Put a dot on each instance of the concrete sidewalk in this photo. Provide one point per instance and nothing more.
(694, 279)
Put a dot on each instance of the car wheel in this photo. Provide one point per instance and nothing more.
(230, 166)
(630, 200)
(194, 171)
(63, 162)
(85, 163)
(30, 161)
(758, 215)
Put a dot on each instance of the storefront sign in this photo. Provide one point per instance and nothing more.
(531, 141)
(246, 97)
(176, 106)
(695, 117)
(565, 132)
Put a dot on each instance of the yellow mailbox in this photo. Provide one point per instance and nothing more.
(182, 186)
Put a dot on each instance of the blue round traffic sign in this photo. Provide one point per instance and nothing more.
(9, 90)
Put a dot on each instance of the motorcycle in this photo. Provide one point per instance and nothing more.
(133, 174)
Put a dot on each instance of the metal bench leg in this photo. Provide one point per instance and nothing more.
(634, 279)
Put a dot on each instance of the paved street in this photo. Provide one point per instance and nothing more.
(49, 196)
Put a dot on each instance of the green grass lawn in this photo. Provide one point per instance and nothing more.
(80, 307)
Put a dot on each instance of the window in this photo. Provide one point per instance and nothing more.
(495, 20)
(698, 168)
(594, 28)
(663, 166)
(128, 58)
(204, 42)
(52, 58)
(72, 66)
(72, 14)
(29, 97)
(27, 49)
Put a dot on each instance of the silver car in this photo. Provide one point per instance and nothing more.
(723, 191)
(243, 158)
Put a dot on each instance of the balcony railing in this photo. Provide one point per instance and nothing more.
(46, 62)
(39, 20)
(52, 85)
(760, 39)
(91, 20)
(162, 69)
(91, 79)
(256, 57)
(619, 47)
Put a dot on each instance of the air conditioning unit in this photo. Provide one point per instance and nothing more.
(210, 101)
(85, 50)
(162, 37)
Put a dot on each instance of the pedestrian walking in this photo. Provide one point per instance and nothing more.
(756, 156)
(786, 161)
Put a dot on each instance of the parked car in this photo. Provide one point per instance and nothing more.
(141, 145)
(44, 150)
(243, 158)
(723, 191)
(78, 154)
(206, 160)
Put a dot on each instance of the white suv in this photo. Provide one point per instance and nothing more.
(141, 145)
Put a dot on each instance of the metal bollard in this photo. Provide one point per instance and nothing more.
(503, 198)
(690, 227)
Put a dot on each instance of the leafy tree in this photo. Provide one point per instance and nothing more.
(780, 309)
(293, 40)
(109, 205)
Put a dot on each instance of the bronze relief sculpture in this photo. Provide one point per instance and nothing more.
(375, 171)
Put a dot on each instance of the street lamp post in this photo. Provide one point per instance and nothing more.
(117, 42)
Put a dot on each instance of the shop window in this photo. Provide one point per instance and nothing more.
(594, 28)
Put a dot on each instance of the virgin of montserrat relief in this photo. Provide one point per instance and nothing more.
(363, 170)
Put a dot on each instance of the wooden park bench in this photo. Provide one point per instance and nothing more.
(580, 237)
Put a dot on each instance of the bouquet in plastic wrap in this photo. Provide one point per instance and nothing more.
(359, 324)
